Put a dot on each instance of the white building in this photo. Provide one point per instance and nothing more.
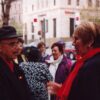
(60, 18)
(50, 19)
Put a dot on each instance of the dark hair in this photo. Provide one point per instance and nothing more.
(60, 47)
(40, 45)
(32, 54)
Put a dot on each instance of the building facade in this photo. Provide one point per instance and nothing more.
(48, 19)
(51, 20)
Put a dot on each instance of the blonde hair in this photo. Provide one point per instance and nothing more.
(88, 31)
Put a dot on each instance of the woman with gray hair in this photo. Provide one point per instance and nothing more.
(83, 82)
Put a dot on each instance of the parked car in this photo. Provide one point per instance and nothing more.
(70, 50)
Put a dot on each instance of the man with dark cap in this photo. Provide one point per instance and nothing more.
(13, 85)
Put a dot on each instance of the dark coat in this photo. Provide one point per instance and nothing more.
(86, 85)
(62, 71)
(13, 85)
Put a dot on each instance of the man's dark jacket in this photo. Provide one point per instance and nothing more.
(13, 85)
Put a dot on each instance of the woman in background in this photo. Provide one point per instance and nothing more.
(21, 57)
(59, 65)
(42, 48)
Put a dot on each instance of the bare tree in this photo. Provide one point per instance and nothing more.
(6, 5)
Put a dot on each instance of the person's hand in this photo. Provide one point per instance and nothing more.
(53, 87)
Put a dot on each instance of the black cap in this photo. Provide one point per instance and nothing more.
(7, 32)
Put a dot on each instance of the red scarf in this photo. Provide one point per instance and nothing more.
(63, 93)
(9, 63)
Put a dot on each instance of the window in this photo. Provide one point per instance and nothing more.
(69, 2)
(46, 3)
(32, 27)
(46, 25)
(38, 3)
(54, 2)
(78, 2)
(43, 28)
(25, 28)
(32, 37)
(32, 7)
(42, 3)
(97, 3)
(54, 27)
(89, 3)
(25, 36)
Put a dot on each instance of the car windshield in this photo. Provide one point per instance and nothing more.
(68, 45)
